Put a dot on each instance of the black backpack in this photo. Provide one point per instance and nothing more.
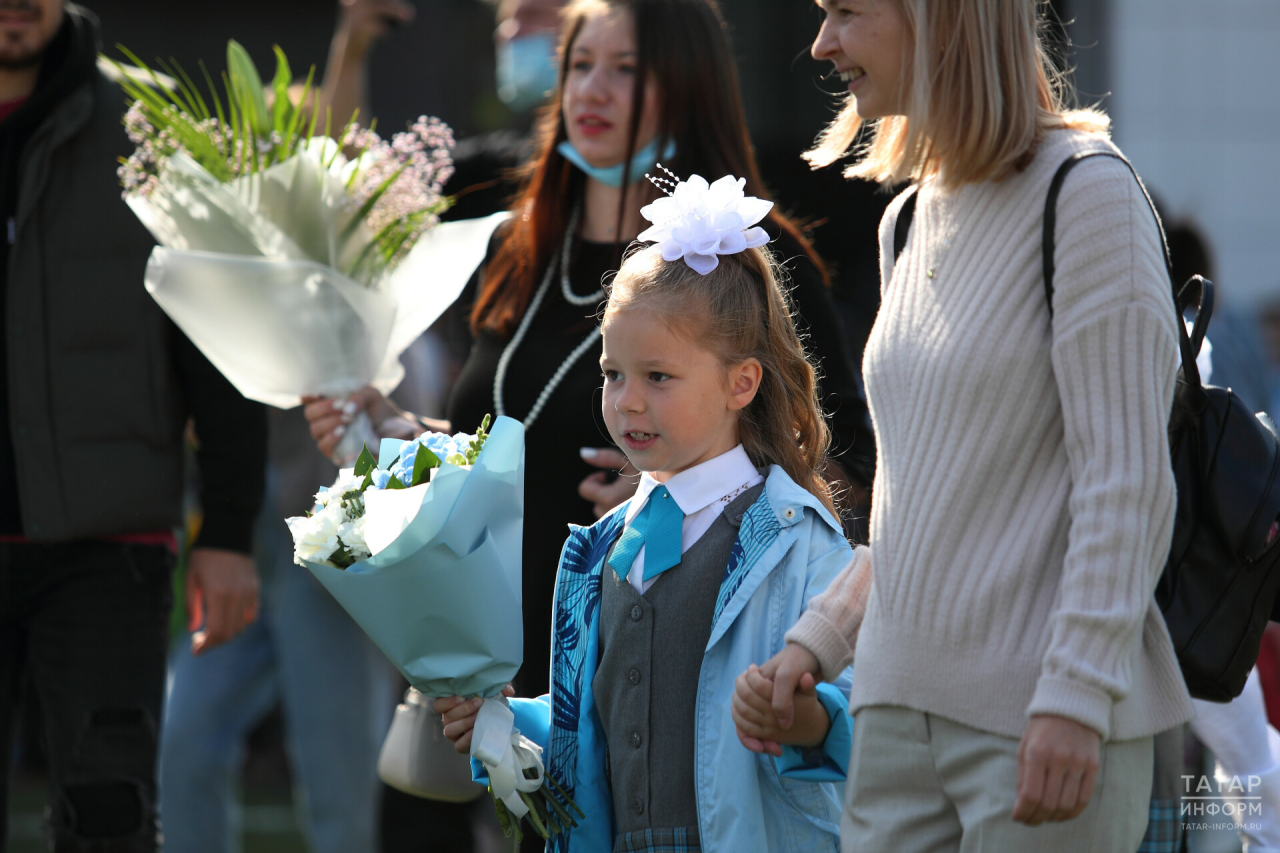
(1221, 584)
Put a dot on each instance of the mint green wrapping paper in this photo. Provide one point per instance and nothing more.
(443, 601)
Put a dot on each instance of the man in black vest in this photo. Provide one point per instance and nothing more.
(96, 388)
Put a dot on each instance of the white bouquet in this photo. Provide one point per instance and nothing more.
(422, 547)
(334, 532)
(294, 268)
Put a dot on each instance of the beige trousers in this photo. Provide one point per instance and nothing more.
(919, 783)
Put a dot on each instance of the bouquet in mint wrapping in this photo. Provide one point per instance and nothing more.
(422, 546)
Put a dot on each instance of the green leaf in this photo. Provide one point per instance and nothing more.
(422, 465)
(282, 106)
(395, 483)
(246, 88)
(365, 462)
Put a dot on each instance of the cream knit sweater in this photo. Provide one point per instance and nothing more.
(1024, 498)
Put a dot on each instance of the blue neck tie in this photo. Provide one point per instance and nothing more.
(658, 528)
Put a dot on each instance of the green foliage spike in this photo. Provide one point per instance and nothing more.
(477, 444)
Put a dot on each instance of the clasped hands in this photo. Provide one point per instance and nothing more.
(777, 703)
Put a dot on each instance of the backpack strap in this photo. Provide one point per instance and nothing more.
(902, 226)
(1051, 215)
(1185, 343)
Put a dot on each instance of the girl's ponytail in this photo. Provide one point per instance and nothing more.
(784, 424)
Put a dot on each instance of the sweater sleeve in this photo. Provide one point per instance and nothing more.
(231, 453)
(829, 627)
(1114, 361)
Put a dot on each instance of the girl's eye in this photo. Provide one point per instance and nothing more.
(580, 65)
(659, 377)
(626, 69)
(610, 375)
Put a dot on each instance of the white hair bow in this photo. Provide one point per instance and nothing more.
(697, 221)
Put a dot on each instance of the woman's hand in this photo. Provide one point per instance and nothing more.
(459, 717)
(596, 488)
(1057, 767)
(329, 418)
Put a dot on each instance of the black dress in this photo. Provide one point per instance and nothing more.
(571, 417)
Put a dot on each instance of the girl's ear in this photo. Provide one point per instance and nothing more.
(744, 382)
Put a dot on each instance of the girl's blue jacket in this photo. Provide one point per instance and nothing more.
(789, 548)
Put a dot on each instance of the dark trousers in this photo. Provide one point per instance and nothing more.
(87, 624)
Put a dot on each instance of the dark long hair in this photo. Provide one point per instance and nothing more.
(684, 45)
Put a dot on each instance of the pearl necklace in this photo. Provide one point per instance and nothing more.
(592, 299)
(504, 361)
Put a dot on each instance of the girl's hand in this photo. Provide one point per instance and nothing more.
(1057, 768)
(459, 717)
(605, 495)
(785, 670)
(758, 727)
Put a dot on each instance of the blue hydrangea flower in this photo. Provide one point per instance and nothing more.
(380, 478)
(443, 446)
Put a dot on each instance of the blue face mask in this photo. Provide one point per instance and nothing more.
(642, 161)
(526, 70)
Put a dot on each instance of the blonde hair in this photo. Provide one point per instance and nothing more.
(979, 93)
(738, 311)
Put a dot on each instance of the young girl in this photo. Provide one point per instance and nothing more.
(664, 600)
(1012, 664)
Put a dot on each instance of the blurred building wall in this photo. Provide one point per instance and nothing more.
(1196, 105)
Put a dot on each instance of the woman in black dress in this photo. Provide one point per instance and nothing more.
(640, 81)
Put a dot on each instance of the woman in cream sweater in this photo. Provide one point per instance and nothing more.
(1011, 665)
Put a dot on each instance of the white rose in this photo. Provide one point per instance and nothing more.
(352, 535)
(347, 481)
(316, 538)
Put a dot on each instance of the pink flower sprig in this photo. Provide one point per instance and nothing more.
(405, 183)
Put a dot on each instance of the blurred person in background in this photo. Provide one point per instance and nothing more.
(334, 687)
(1238, 356)
(525, 39)
(96, 389)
